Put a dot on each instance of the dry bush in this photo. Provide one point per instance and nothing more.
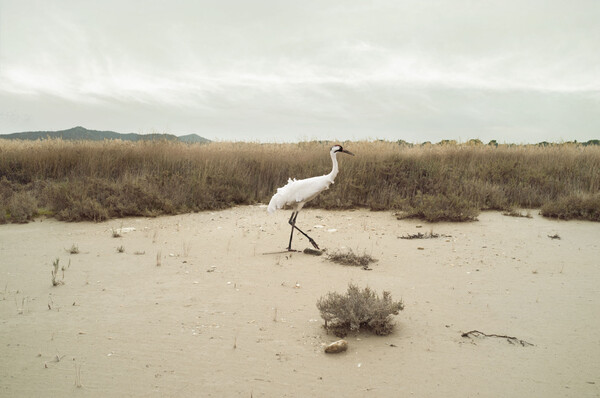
(349, 258)
(54, 274)
(16, 204)
(577, 206)
(74, 249)
(435, 208)
(22, 207)
(345, 313)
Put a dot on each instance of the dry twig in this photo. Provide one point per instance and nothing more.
(510, 339)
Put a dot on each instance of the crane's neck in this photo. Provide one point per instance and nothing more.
(334, 170)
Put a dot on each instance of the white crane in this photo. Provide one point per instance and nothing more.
(297, 192)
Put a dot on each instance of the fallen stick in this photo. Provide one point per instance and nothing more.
(510, 339)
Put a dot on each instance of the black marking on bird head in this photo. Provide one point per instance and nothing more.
(338, 148)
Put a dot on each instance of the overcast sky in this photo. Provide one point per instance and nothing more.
(276, 70)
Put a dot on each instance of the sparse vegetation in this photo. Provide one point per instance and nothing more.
(54, 273)
(22, 308)
(356, 309)
(78, 376)
(74, 249)
(187, 246)
(349, 258)
(448, 181)
(427, 235)
(516, 213)
(121, 249)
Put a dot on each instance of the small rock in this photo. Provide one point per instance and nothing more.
(312, 252)
(337, 346)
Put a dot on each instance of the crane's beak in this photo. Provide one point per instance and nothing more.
(348, 152)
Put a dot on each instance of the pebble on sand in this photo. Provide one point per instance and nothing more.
(337, 346)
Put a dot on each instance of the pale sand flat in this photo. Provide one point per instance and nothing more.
(135, 329)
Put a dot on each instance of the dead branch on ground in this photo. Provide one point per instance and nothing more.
(510, 339)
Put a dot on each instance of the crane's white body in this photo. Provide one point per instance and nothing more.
(297, 192)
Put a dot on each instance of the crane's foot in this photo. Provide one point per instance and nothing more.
(314, 243)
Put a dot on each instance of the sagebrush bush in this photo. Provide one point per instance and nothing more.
(356, 309)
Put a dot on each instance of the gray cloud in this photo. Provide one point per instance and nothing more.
(273, 70)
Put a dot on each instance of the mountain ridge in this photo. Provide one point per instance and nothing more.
(80, 133)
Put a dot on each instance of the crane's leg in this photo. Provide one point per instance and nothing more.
(292, 221)
(293, 224)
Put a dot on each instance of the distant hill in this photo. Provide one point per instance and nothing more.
(81, 133)
(192, 138)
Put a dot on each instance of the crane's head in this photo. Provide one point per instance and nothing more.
(338, 148)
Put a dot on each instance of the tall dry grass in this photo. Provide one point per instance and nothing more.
(101, 180)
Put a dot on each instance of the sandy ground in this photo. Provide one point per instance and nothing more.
(218, 318)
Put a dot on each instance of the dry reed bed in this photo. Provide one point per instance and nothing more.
(99, 180)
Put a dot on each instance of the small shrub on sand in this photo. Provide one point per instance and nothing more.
(54, 273)
(356, 309)
(22, 207)
(3, 215)
(349, 258)
(434, 208)
(577, 206)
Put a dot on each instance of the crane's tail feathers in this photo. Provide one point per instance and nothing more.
(272, 204)
(277, 202)
(281, 198)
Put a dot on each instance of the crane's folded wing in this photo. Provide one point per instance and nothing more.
(297, 192)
